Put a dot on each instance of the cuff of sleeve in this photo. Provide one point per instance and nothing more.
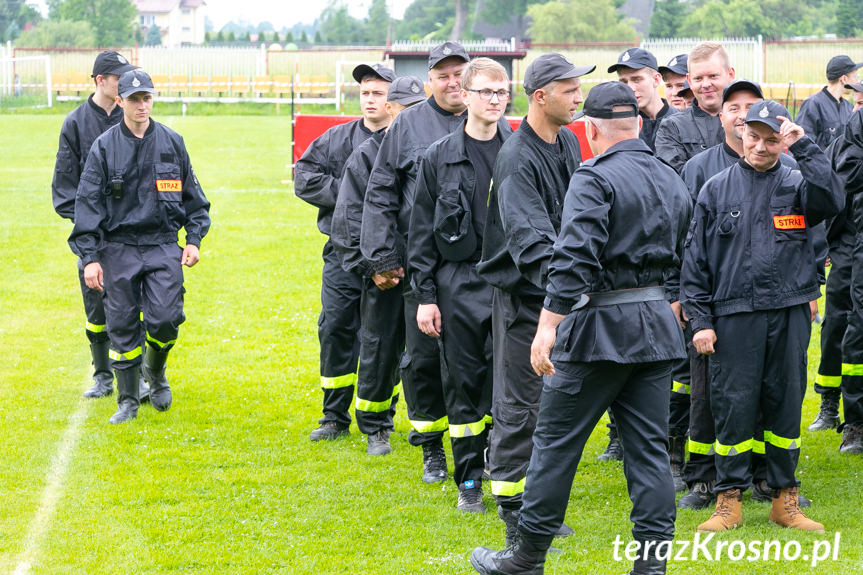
(193, 240)
(800, 145)
(89, 259)
(672, 294)
(559, 306)
(386, 264)
(700, 323)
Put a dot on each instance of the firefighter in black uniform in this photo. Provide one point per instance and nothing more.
(753, 320)
(697, 128)
(444, 245)
(386, 215)
(614, 270)
(531, 176)
(137, 190)
(317, 177)
(674, 78)
(80, 129)
(823, 115)
(381, 339)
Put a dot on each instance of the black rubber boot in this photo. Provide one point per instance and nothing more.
(649, 566)
(103, 378)
(526, 557)
(614, 450)
(143, 388)
(852, 439)
(828, 414)
(434, 462)
(510, 521)
(154, 373)
(127, 395)
(677, 455)
(700, 496)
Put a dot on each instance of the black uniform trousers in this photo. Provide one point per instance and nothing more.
(94, 309)
(465, 301)
(852, 343)
(759, 367)
(141, 279)
(837, 306)
(382, 339)
(338, 333)
(516, 393)
(678, 413)
(572, 402)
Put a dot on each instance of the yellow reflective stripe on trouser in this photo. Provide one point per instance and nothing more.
(507, 488)
(678, 387)
(702, 448)
(95, 327)
(127, 356)
(377, 406)
(728, 450)
(781, 442)
(829, 380)
(467, 429)
(341, 381)
(758, 447)
(852, 369)
(152, 339)
(487, 419)
(430, 426)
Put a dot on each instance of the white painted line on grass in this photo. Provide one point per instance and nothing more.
(55, 478)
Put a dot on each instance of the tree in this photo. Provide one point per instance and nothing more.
(14, 16)
(230, 38)
(318, 39)
(849, 18)
(460, 21)
(304, 38)
(769, 18)
(667, 19)
(289, 37)
(220, 38)
(568, 21)
(338, 26)
(111, 20)
(377, 25)
(247, 37)
(502, 11)
(427, 19)
(59, 34)
(154, 36)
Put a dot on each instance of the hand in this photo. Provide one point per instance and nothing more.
(190, 255)
(428, 319)
(789, 131)
(827, 262)
(540, 350)
(389, 279)
(93, 276)
(679, 314)
(813, 310)
(704, 341)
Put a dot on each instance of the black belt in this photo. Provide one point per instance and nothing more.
(616, 297)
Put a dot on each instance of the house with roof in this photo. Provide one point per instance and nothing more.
(181, 22)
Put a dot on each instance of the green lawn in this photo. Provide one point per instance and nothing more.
(227, 481)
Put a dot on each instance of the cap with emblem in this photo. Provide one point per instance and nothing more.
(685, 91)
(767, 112)
(550, 67)
(135, 81)
(858, 87)
(406, 90)
(676, 65)
(111, 62)
(838, 66)
(603, 98)
(446, 50)
(741, 85)
(378, 70)
(634, 59)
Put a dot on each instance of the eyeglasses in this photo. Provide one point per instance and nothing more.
(486, 94)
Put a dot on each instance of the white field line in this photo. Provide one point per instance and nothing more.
(55, 479)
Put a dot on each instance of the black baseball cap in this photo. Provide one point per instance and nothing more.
(858, 87)
(685, 90)
(677, 65)
(767, 112)
(634, 59)
(841, 65)
(135, 81)
(550, 67)
(406, 90)
(739, 85)
(602, 99)
(446, 50)
(111, 62)
(378, 70)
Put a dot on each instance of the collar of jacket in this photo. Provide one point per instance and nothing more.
(730, 151)
(100, 110)
(454, 150)
(698, 111)
(128, 133)
(659, 115)
(436, 107)
(630, 145)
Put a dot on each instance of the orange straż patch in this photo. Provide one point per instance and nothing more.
(789, 222)
(169, 185)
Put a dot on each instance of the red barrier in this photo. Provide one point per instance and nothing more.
(308, 127)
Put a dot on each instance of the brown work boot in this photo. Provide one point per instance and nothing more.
(786, 512)
(728, 514)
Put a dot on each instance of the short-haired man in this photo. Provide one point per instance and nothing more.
(823, 115)
(381, 339)
(137, 190)
(674, 78)
(607, 307)
(637, 69)
(80, 129)
(697, 128)
(444, 246)
(856, 94)
(317, 177)
(753, 320)
(531, 177)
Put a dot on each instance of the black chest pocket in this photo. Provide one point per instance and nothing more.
(168, 182)
(728, 221)
(789, 223)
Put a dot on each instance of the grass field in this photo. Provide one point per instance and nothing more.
(227, 481)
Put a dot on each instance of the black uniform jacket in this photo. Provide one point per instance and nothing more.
(748, 247)
(524, 209)
(624, 226)
(160, 193)
(318, 172)
(447, 179)
(686, 133)
(348, 213)
(846, 157)
(823, 117)
(648, 126)
(80, 129)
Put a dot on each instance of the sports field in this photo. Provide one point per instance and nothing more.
(227, 481)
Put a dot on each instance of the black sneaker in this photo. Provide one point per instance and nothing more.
(700, 496)
(828, 413)
(614, 449)
(852, 440)
(434, 462)
(763, 494)
(329, 430)
(470, 497)
(379, 443)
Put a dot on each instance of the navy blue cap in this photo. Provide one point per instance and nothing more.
(858, 87)
(767, 112)
(739, 85)
(446, 50)
(550, 67)
(634, 59)
(378, 70)
(838, 66)
(686, 90)
(134, 81)
(602, 99)
(677, 65)
(111, 62)
(406, 90)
